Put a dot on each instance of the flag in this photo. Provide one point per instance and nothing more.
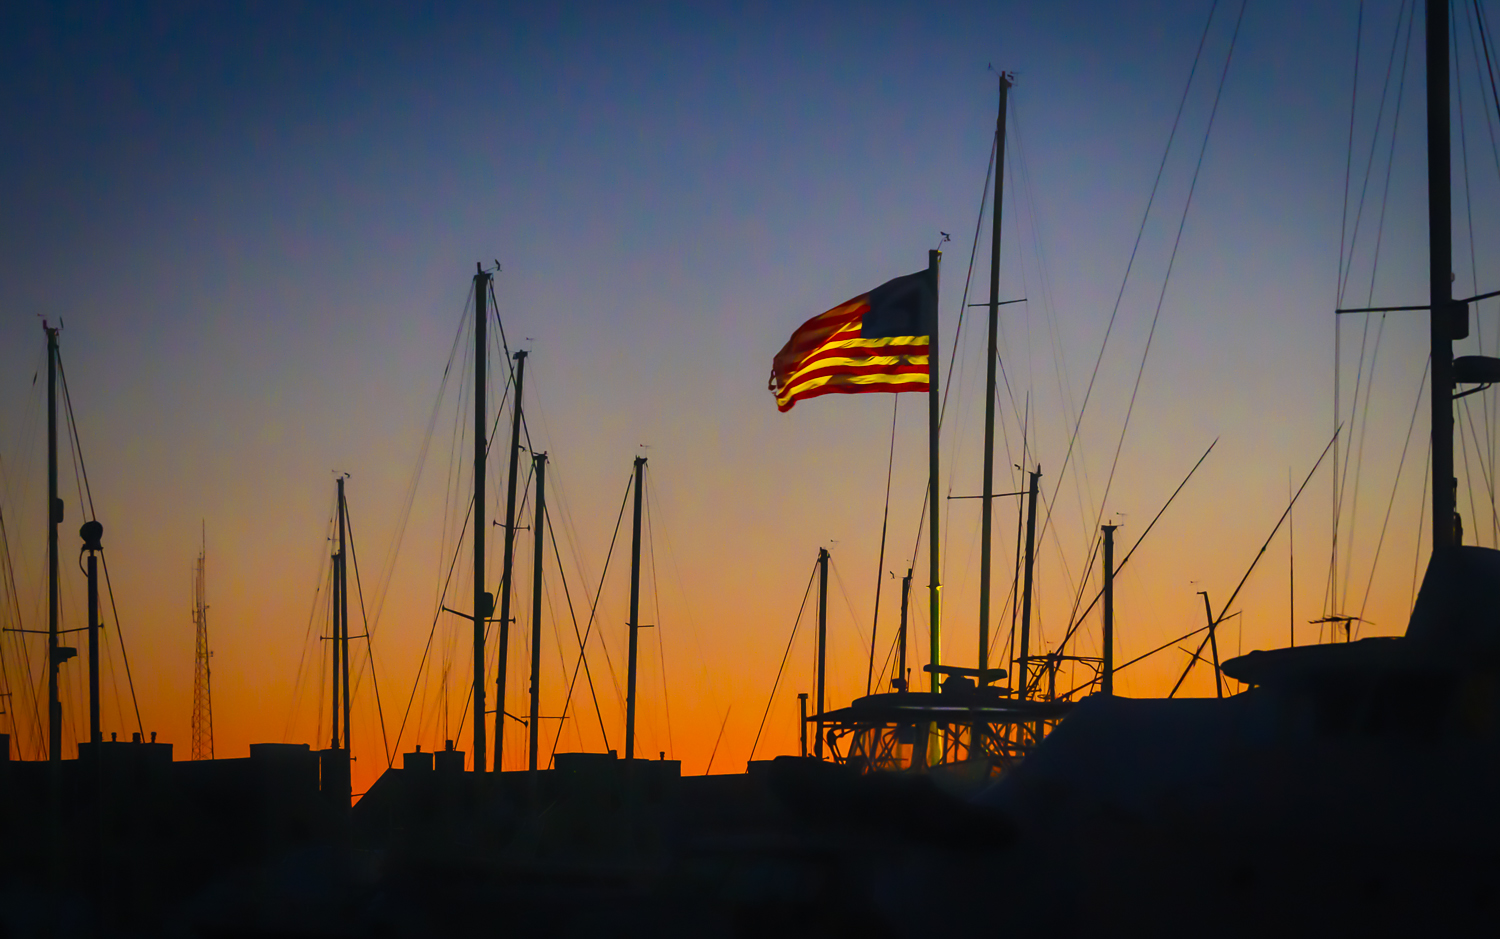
(877, 341)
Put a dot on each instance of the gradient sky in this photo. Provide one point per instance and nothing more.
(258, 224)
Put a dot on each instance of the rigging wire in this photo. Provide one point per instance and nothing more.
(1359, 33)
(1134, 250)
(661, 653)
(795, 623)
(562, 503)
(715, 751)
(1463, 446)
(963, 306)
(1468, 413)
(1082, 486)
(436, 616)
(885, 516)
(390, 757)
(6, 695)
(1251, 569)
(598, 594)
(656, 600)
(1171, 261)
(1486, 470)
(1357, 463)
(838, 579)
(307, 643)
(29, 683)
(103, 556)
(387, 570)
(1400, 464)
(1485, 44)
(1478, 37)
(1474, 257)
(1463, 137)
(582, 656)
(1346, 260)
(325, 678)
(676, 571)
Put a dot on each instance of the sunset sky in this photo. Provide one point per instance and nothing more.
(259, 223)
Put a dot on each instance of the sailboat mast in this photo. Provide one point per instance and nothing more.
(539, 523)
(905, 596)
(343, 611)
(1024, 660)
(91, 533)
(934, 491)
(988, 495)
(54, 518)
(1107, 668)
(481, 442)
(1449, 321)
(822, 643)
(335, 672)
(635, 611)
(333, 636)
(505, 574)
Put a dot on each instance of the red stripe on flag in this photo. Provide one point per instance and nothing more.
(879, 369)
(859, 352)
(833, 388)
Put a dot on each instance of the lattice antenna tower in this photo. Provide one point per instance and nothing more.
(203, 708)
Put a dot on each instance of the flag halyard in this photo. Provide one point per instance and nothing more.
(876, 342)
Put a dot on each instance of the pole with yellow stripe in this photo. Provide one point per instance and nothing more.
(934, 259)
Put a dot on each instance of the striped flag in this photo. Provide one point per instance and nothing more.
(876, 342)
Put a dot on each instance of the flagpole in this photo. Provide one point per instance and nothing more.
(934, 258)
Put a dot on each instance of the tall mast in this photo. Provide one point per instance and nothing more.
(905, 596)
(989, 397)
(635, 611)
(343, 610)
(92, 531)
(934, 420)
(54, 518)
(1023, 661)
(505, 575)
(1107, 670)
(338, 589)
(539, 523)
(822, 642)
(481, 443)
(1448, 321)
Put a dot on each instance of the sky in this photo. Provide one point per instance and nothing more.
(258, 226)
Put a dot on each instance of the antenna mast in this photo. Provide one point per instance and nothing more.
(203, 708)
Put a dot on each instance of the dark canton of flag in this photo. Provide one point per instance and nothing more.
(877, 341)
